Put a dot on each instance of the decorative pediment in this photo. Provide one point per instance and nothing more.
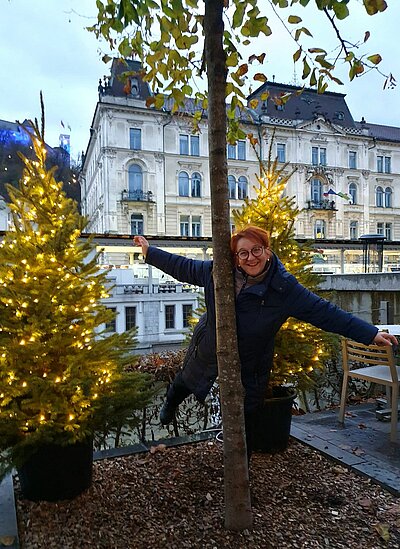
(321, 126)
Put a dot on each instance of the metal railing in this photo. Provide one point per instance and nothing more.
(137, 196)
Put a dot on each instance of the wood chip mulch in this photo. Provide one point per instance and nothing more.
(173, 498)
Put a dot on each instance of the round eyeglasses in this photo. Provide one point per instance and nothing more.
(256, 251)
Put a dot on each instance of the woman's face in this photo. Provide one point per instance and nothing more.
(254, 264)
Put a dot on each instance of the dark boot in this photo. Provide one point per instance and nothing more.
(175, 395)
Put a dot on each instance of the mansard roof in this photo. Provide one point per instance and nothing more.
(308, 105)
(380, 132)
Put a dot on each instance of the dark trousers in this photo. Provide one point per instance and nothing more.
(177, 393)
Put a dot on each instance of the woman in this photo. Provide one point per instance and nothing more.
(266, 296)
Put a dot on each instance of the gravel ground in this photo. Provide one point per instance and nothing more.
(173, 498)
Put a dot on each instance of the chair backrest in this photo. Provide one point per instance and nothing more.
(368, 355)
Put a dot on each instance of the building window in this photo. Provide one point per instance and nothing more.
(316, 190)
(193, 141)
(190, 225)
(196, 225)
(384, 229)
(237, 151)
(183, 184)
(353, 230)
(196, 185)
(319, 229)
(194, 145)
(184, 145)
(232, 187)
(137, 224)
(379, 197)
(135, 175)
(388, 197)
(281, 152)
(384, 164)
(184, 225)
(353, 160)
(238, 189)
(242, 188)
(134, 87)
(130, 318)
(169, 317)
(187, 313)
(353, 193)
(318, 156)
(241, 150)
(112, 325)
(135, 139)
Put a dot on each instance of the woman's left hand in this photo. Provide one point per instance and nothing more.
(383, 338)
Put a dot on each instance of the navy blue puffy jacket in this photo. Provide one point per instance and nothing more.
(260, 312)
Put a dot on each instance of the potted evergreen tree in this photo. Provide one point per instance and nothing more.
(62, 375)
(300, 348)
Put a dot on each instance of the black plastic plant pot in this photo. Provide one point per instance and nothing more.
(55, 472)
(272, 424)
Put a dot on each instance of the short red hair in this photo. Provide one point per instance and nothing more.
(253, 232)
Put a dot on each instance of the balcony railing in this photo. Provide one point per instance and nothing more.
(322, 205)
(137, 196)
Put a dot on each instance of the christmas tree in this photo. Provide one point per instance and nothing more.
(61, 374)
(300, 348)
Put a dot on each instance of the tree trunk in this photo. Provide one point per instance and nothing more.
(238, 514)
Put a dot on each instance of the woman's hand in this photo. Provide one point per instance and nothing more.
(142, 242)
(383, 338)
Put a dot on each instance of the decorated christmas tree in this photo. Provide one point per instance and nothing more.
(300, 348)
(61, 374)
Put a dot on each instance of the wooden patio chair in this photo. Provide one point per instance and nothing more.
(375, 364)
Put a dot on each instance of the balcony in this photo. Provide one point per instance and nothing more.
(322, 205)
(137, 196)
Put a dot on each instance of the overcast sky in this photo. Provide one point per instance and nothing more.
(44, 46)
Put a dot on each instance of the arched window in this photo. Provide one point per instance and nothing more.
(320, 229)
(137, 223)
(388, 197)
(379, 197)
(242, 187)
(196, 185)
(353, 193)
(316, 190)
(232, 186)
(135, 182)
(183, 184)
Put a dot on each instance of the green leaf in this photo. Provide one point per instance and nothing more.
(294, 19)
(296, 55)
(238, 16)
(341, 10)
(306, 69)
(374, 6)
(313, 78)
(375, 59)
(232, 59)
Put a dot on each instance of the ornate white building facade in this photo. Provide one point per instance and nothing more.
(146, 172)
